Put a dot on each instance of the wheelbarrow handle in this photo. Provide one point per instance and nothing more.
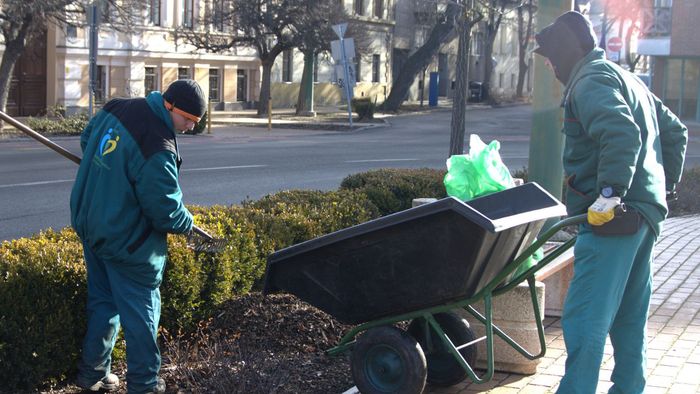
(66, 153)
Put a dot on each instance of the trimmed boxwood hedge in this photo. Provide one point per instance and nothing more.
(393, 189)
(43, 278)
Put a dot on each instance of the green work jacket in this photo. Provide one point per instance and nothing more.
(619, 134)
(126, 196)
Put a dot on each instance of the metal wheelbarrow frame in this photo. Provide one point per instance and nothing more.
(499, 285)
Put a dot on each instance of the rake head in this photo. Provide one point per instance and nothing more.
(201, 242)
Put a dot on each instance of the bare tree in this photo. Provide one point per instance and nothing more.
(627, 13)
(469, 17)
(443, 30)
(494, 11)
(22, 20)
(526, 13)
(313, 35)
(264, 25)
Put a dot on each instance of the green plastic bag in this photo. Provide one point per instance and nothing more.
(477, 173)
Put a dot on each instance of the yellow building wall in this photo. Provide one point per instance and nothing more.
(229, 84)
(201, 75)
(284, 95)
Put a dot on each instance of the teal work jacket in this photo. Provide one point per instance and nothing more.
(619, 134)
(126, 196)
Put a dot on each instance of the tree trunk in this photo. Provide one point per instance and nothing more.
(523, 39)
(306, 87)
(421, 58)
(488, 63)
(459, 103)
(265, 85)
(13, 50)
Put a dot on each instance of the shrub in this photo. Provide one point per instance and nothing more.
(71, 125)
(295, 216)
(393, 189)
(42, 308)
(364, 107)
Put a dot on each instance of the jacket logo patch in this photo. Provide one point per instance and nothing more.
(108, 144)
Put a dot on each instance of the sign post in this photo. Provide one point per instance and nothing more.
(340, 30)
(614, 46)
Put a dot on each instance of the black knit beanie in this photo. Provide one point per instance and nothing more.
(568, 27)
(187, 96)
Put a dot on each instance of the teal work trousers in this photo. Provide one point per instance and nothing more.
(609, 294)
(114, 300)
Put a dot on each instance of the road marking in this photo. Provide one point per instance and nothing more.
(378, 160)
(223, 168)
(36, 183)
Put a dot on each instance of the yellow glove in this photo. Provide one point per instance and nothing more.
(603, 210)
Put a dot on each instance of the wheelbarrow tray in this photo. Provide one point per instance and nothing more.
(430, 255)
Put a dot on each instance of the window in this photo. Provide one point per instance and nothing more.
(501, 76)
(187, 13)
(183, 73)
(100, 85)
(287, 66)
(150, 81)
(241, 86)
(358, 69)
(154, 12)
(513, 80)
(375, 68)
(379, 9)
(71, 31)
(218, 15)
(359, 7)
(214, 84)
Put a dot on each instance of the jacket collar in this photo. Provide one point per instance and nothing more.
(593, 55)
(155, 101)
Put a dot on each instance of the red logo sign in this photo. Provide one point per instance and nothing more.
(614, 44)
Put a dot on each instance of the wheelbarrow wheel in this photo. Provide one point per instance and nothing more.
(387, 360)
(443, 368)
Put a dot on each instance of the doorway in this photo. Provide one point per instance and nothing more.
(27, 95)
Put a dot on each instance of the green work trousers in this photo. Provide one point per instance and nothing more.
(609, 294)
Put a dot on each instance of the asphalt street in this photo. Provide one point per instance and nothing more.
(240, 162)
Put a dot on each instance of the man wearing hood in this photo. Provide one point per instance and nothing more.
(624, 151)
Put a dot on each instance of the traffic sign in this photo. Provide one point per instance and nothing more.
(340, 29)
(614, 44)
(337, 47)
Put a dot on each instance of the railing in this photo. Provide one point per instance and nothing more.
(656, 22)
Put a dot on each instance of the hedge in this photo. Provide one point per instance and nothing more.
(393, 190)
(43, 278)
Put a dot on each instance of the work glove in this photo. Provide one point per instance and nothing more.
(603, 210)
(671, 193)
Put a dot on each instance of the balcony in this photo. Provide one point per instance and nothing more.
(656, 22)
(655, 36)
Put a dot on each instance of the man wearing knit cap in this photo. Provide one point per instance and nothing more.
(623, 152)
(125, 200)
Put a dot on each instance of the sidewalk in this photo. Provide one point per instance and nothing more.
(673, 328)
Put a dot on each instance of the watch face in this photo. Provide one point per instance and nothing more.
(607, 192)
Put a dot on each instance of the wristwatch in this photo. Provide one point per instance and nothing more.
(607, 192)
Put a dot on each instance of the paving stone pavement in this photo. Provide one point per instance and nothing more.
(673, 328)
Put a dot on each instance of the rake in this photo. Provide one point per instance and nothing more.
(197, 239)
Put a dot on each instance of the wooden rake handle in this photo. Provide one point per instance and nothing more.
(67, 154)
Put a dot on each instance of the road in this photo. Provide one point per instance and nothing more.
(235, 163)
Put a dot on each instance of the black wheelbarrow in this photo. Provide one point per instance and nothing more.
(417, 266)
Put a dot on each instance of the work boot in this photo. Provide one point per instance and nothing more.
(108, 383)
(159, 387)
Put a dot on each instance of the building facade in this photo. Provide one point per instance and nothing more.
(669, 38)
(54, 71)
